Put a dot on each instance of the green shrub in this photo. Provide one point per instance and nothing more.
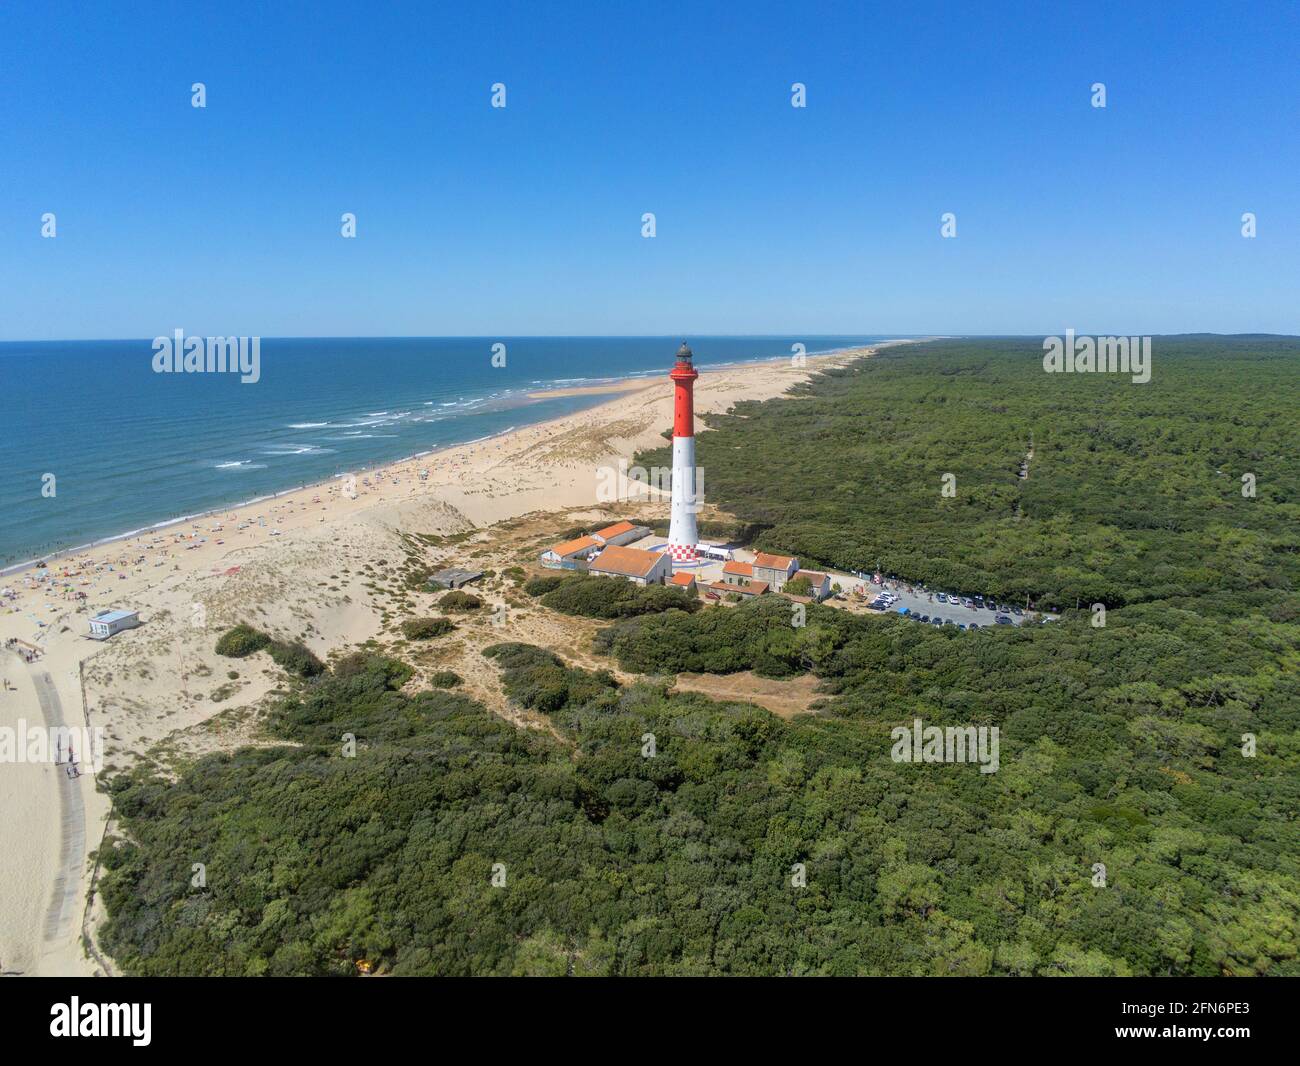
(799, 586)
(385, 672)
(426, 628)
(445, 679)
(457, 600)
(543, 583)
(609, 597)
(539, 679)
(756, 635)
(241, 641)
(295, 658)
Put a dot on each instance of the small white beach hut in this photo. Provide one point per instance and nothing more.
(106, 623)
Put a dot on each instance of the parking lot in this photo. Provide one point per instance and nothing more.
(923, 604)
(918, 602)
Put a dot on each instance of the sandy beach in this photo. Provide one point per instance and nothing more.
(308, 565)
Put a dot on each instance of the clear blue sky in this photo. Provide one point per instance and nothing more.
(475, 221)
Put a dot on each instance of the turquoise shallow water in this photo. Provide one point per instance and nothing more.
(130, 448)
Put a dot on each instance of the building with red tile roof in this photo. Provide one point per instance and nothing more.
(735, 572)
(821, 583)
(622, 533)
(749, 588)
(572, 553)
(774, 569)
(634, 564)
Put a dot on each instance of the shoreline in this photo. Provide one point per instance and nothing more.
(613, 388)
(165, 524)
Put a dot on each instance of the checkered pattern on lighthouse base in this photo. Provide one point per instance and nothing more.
(683, 553)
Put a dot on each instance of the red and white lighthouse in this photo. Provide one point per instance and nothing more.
(682, 534)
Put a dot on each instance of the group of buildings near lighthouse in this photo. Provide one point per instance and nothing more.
(606, 552)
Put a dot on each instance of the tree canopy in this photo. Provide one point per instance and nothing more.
(1142, 821)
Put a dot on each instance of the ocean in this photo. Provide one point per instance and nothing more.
(96, 444)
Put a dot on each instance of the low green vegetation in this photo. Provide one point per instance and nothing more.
(1142, 819)
(293, 657)
(373, 670)
(459, 600)
(799, 586)
(603, 597)
(241, 641)
(617, 862)
(445, 679)
(426, 628)
(540, 680)
(755, 635)
(544, 583)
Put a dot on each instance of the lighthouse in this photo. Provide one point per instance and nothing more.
(682, 535)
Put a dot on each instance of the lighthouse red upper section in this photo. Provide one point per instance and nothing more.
(683, 376)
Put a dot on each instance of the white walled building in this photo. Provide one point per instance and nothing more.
(106, 623)
(633, 564)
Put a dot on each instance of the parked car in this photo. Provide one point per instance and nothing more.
(969, 604)
(941, 597)
(925, 618)
(1003, 620)
(936, 621)
(1017, 612)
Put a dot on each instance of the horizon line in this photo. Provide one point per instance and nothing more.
(650, 336)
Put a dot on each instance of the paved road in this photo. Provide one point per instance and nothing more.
(72, 821)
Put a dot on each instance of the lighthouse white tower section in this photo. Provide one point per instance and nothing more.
(682, 534)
